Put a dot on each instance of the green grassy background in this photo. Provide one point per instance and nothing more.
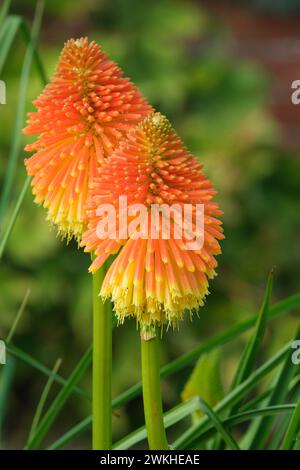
(174, 51)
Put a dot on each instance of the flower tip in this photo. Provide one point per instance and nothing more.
(157, 118)
(81, 41)
(91, 270)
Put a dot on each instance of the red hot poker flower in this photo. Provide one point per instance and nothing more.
(154, 279)
(81, 117)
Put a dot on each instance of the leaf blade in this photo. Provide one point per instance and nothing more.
(228, 438)
(20, 114)
(293, 429)
(59, 401)
(42, 401)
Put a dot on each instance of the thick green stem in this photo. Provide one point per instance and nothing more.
(102, 367)
(151, 391)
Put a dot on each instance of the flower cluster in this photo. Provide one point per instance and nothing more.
(154, 280)
(100, 140)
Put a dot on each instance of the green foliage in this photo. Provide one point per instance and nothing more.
(218, 104)
(58, 403)
(205, 380)
(292, 434)
(42, 402)
(279, 394)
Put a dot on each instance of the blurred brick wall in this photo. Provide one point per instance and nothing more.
(272, 39)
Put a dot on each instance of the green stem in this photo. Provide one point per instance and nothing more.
(151, 391)
(102, 368)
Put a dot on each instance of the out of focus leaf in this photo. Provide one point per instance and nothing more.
(205, 380)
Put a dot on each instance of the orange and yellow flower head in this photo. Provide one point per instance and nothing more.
(82, 114)
(153, 278)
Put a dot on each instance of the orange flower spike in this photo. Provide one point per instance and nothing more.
(154, 280)
(81, 117)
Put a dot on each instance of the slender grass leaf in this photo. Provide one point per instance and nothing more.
(228, 439)
(26, 33)
(42, 401)
(6, 379)
(297, 442)
(59, 402)
(247, 416)
(293, 429)
(8, 33)
(280, 390)
(34, 363)
(247, 361)
(282, 422)
(257, 400)
(14, 216)
(4, 11)
(19, 121)
(71, 434)
(18, 317)
(12, 25)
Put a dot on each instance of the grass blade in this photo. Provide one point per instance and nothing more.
(4, 11)
(7, 373)
(8, 33)
(228, 439)
(280, 390)
(13, 217)
(19, 121)
(42, 401)
(59, 401)
(71, 434)
(266, 394)
(11, 26)
(282, 422)
(247, 361)
(18, 317)
(25, 31)
(247, 416)
(32, 362)
(290, 437)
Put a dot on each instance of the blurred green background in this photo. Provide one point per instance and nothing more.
(177, 53)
